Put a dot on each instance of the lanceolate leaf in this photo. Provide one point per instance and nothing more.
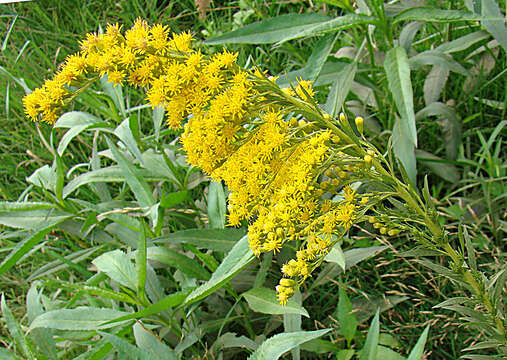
(125, 349)
(277, 345)
(340, 89)
(80, 319)
(338, 23)
(418, 350)
(270, 30)
(239, 256)
(145, 340)
(212, 239)
(494, 21)
(15, 330)
(432, 14)
(398, 78)
(117, 265)
(369, 351)
(263, 300)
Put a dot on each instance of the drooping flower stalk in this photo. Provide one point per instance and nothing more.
(292, 169)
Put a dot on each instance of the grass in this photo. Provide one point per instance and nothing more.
(40, 35)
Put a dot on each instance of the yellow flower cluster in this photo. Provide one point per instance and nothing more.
(282, 169)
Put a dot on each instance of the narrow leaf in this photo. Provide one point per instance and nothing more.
(263, 300)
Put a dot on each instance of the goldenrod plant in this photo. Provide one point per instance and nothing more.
(298, 176)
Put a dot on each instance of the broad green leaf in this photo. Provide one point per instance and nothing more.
(404, 149)
(494, 21)
(270, 30)
(138, 185)
(418, 350)
(155, 163)
(25, 245)
(230, 340)
(125, 349)
(82, 318)
(73, 119)
(345, 354)
(141, 262)
(6, 206)
(179, 261)
(347, 319)
(75, 131)
(157, 117)
(216, 205)
(433, 14)
(32, 219)
(438, 166)
(369, 351)
(239, 256)
(313, 65)
(7, 355)
(398, 77)
(354, 256)
(340, 89)
(15, 330)
(98, 291)
(115, 92)
(436, 58)
(145, 340)
(43, 338)
(124, 133)
(385, 353)
(43, 177)
(366, 308)
(434, 84)
(108, 174)
(117, 265)
(320, 346)
(408, 33)
(172, 199)
(212, 239)
(168, 302)
(292, 323)
(336, 256)
(276, 346)
(263, 300)
(333, 25)
(463, 43)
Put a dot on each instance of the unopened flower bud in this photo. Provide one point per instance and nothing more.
(360, 124)
(336, 139)
(377, 225)
(327, 116)
(383, 230)
(367, 159)
(364, 200)
(393, 232)
(287, 282)
(372, 219)
(302, 123)
(342, 117)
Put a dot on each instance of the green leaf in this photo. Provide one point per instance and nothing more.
(336, 256)
(385, 353)
(158, 117)
(216, 205)
(494, 21)
(82, 318)
(172, 199)
(347, 319)
(179, 261)
(263, 300)
(463, 43)
(141, 262)
(292, 323)
(124, 133)
(25, 245)
(333, 25)
(433, 14)
(239, 256)
(436, 58)
(212, 239)
(369, 351)
(74, 119)
(168, 302)
(115, 92)
(138, 185)
(270, 30)
(340, 89)
(42, 338)
(398, 77)
(438, 166)
(32, 219)
(145, 340)
(434, 84)
(125, 349)
(230, 340)
(7, 355)
(15, 330)
(314, 64)
(276, 346)
(418, 350)
(117, 265)
(404, 149)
